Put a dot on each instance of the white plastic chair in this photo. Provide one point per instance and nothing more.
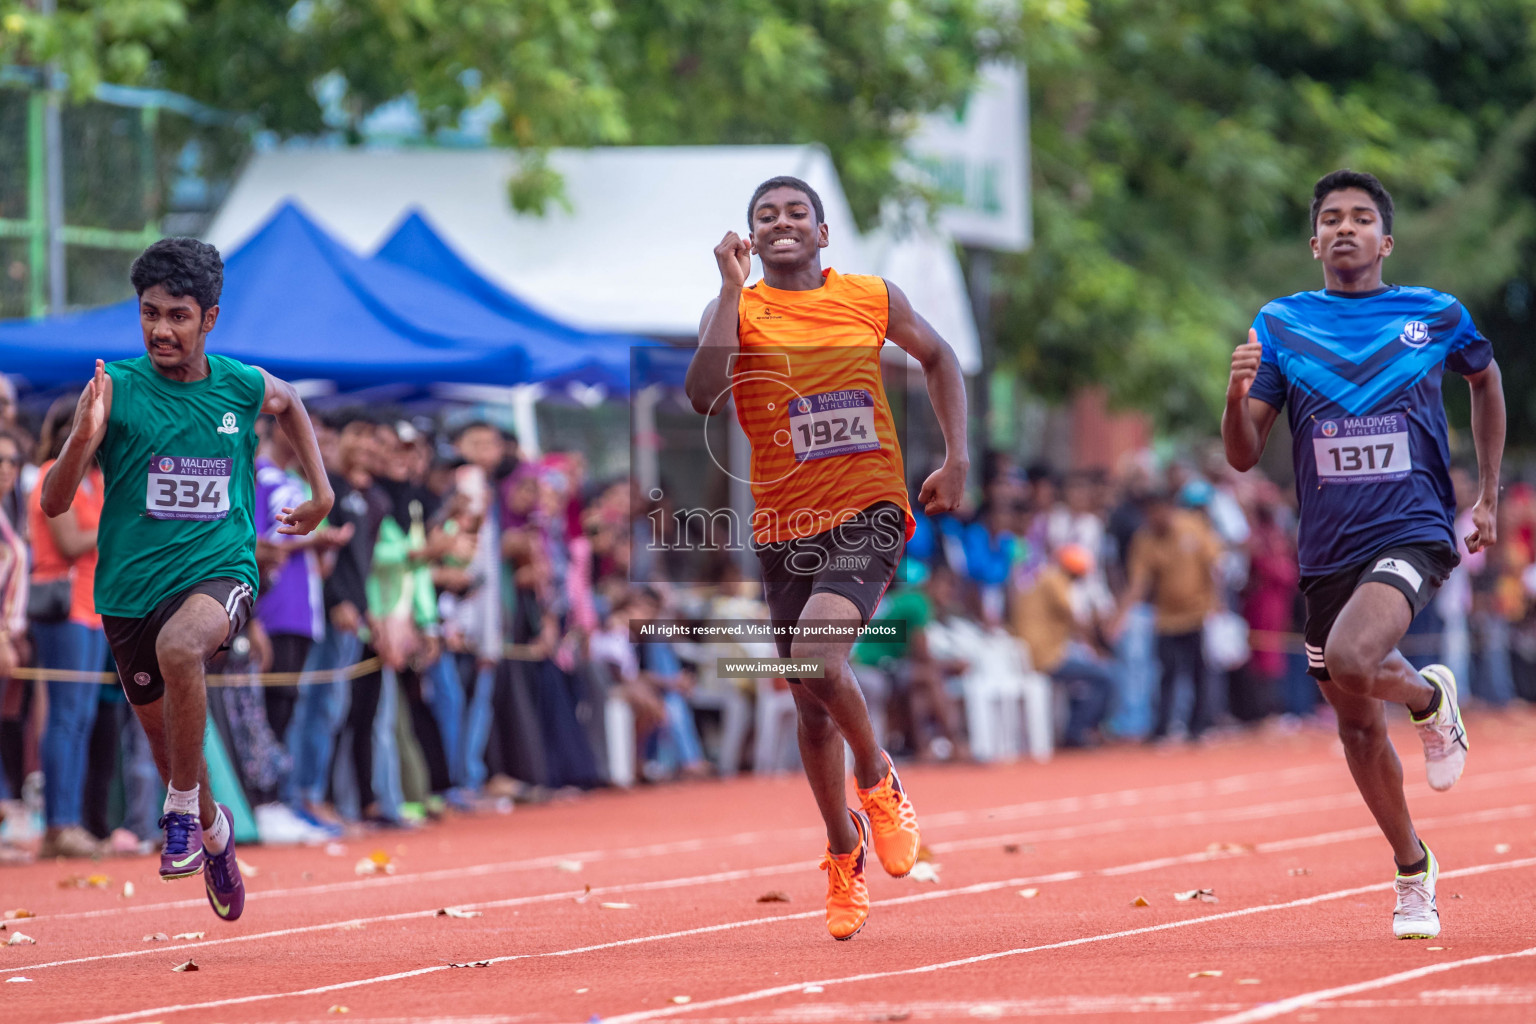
(775, 748)
(999, 686)
(619, 730)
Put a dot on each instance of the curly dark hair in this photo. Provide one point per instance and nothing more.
(785, 181)
(184, 267)
(1367, 183)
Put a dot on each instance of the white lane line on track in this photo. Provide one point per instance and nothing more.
(1281, 1007)
(1306, 901)
(1321, 839)
(767, 993)
(1198, 790)
(1335, 801)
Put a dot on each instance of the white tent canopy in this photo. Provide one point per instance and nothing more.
(634, 252)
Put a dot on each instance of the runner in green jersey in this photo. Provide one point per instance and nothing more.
(175, 433)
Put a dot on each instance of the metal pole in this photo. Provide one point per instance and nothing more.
(37, 201)
(53, 146)
(981, 309)
(149, 120)
(53, 135)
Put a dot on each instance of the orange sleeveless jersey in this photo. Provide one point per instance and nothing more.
(809, 396)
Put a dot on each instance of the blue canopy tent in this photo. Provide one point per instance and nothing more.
(600, 358)
(302, 305)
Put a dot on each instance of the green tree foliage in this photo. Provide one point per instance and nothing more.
(1174, 153)
(851, 74)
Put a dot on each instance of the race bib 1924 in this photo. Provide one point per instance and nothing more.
(185, 488)
(834, 423)
(1362, 450)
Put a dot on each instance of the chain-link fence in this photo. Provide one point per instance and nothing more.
(137, 165)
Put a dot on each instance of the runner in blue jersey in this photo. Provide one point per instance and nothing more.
(1358, 365)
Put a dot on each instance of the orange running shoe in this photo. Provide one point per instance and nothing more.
(894, 821)
(847, 895)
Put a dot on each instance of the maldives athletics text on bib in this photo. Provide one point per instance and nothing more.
(179, 464)
(1362, 449)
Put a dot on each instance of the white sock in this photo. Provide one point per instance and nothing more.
(179, 801)
(216, 836)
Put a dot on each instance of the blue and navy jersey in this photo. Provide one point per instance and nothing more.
(1360, 374)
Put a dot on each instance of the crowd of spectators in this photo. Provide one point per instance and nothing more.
(456, 637)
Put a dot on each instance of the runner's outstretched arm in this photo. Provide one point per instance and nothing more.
(944, 488)
(282, 401)
(1245, 422)
(1488, 438)
(709, 374)
(91, 415)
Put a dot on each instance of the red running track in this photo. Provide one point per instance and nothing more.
(1271, 823)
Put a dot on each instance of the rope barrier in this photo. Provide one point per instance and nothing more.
(511, 652)
(1266, 640)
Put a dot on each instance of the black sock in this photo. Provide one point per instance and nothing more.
(1417, 867)
(1434, 704)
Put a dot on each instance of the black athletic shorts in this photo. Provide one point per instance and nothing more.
(1416, 570)
(133, 640)
(856, 559)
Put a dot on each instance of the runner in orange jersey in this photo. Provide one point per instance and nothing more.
(799, 351)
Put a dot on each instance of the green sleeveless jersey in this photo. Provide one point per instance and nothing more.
(179, 464)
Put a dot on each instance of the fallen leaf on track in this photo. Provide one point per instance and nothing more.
(189, 936)
(1010, 847)
(1140, 901)
(1434, 949)
(370, 866)
(127, 890)
(583, 897)
(339, 1009)
(16, 915)
(19, 939)
(474, 963)
(85, 882)
(680, 1000)
(774, 897)
(456, 912)
(924, 854)
(1029, 894)
(924, 871)
(582, 991)
(1232, 849)
(157, 937)
(1205, 974)
(190, 965)
(617, 906)
(17, 979)
(571, 866)
(1203, 895)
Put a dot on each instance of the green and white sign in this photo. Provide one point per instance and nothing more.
(978, 156)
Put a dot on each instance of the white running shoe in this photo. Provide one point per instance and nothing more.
(1416, 916)
(277, 825)
(1444, 735)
